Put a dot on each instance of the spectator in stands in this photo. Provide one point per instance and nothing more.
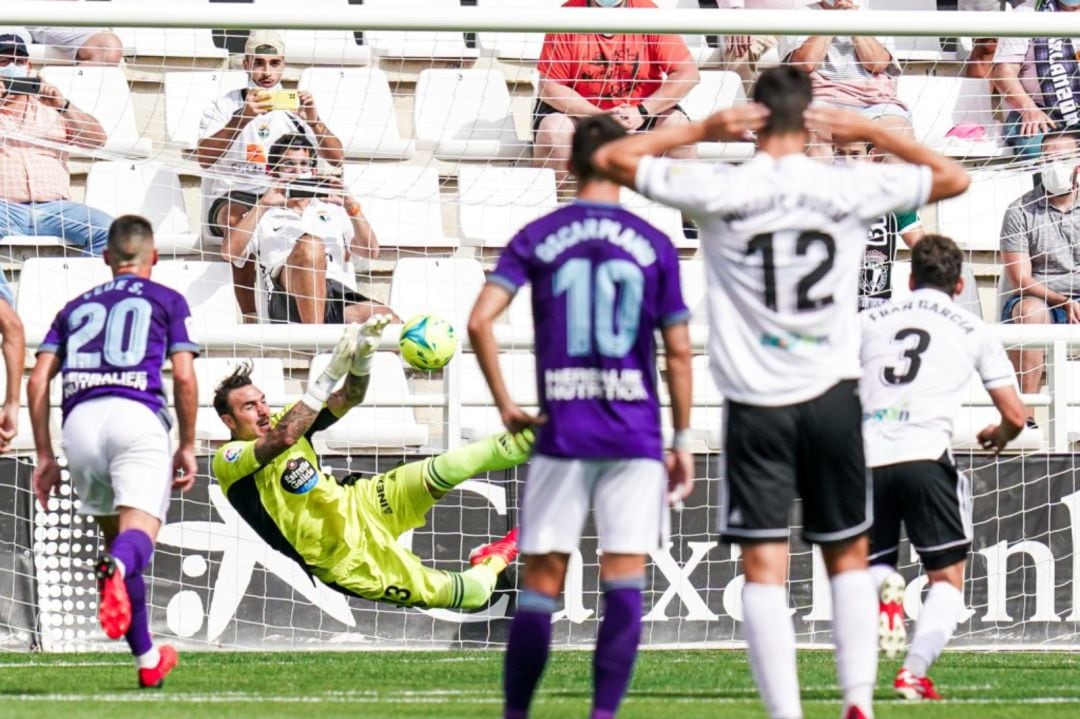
(36, 122)
(1040, 246)
(854, 73)
(1039, 80)
(302, 232)
(237, 130)
(81, 45)
(742, 53)
(880, 253)
(637, 79)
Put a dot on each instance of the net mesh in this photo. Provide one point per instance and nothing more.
(436, 132)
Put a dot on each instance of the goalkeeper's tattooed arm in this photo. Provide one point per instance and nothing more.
(350, 395)
(293, 425)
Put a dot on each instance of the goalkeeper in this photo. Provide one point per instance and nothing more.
(345, 532)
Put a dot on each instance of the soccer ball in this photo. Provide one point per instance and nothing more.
(427, 342)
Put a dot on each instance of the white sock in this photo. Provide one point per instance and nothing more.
(941, 612)
(149, 660)
(881, 572)
(771, 636)
(855, 632)
(120, 567)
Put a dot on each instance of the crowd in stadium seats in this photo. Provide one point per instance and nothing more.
(376, 187)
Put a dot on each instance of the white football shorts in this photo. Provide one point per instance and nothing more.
(628, 496)
(119, 455)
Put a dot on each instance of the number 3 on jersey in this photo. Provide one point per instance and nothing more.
(126, 325)
(914, 342)
(604, 306)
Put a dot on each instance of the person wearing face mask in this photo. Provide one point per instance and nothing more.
(852, 73)
(36, 122)
(1040, 246)
(875, 286)
(236, 132)
(302, 232)
(637, 79)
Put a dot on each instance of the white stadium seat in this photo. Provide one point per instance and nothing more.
(974, 218)
(357, 106)
(920, 48)
(496, 202)
(46, 284)
(383, 419)
(446, 286)
(479, 416)
(143, 188)
(188, 94)
(104, 93)
(401, 202)
(166, 42)
(666, 219)
(938, 104)
(513, 45)
(717, 91)
(208, 288)
(414, 43)
(466, 114)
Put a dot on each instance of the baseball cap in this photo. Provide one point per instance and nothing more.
(12, 44)
(264, 42)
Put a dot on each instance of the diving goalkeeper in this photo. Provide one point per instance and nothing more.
(345, 531)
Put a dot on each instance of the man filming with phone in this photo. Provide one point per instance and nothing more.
(37, 123)
(236, 134)
(302, 232)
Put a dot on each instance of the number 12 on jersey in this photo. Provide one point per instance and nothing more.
(602, 307)
(764, 243)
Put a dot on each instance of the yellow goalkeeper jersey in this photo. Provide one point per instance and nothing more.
(297, 509)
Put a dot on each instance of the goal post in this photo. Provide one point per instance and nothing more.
(433, 105)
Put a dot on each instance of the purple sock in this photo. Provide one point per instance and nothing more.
(526, 651)
(616, 645)
(134, 548)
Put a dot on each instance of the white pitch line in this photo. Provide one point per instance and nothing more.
(46, 665)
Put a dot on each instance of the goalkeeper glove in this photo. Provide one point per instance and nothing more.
(319, 389)
(368, 342)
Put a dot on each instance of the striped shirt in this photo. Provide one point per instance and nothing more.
(32, 169)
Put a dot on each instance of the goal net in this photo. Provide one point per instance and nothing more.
(431, 132)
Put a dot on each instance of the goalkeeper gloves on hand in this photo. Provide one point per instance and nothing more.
(368, 342)
(319, 389)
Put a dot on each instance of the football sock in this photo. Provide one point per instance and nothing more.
(472, 588)
(771, 637)
(133, 549)
(881, 572)
(616, 644)
(448, 470)
(526, 651)
(942, 611)
(855, 633)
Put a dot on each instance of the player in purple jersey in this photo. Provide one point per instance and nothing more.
(110, 344)
(603, 281)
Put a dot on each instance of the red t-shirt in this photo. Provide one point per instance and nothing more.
(611, 71)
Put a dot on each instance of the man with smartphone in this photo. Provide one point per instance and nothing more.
(36, 122)
(302, 232)
(237, 132)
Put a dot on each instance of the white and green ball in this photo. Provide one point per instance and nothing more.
(428, 342)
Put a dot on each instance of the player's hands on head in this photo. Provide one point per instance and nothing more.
(680, 469)
(842, 125)
(516, 419)
(185, 468)
(736, 123)
(46, 480)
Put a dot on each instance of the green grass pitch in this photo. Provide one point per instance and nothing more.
(452, 685)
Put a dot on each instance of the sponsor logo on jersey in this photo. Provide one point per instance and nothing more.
(232, 454)
(299, 476)
(888, 414)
